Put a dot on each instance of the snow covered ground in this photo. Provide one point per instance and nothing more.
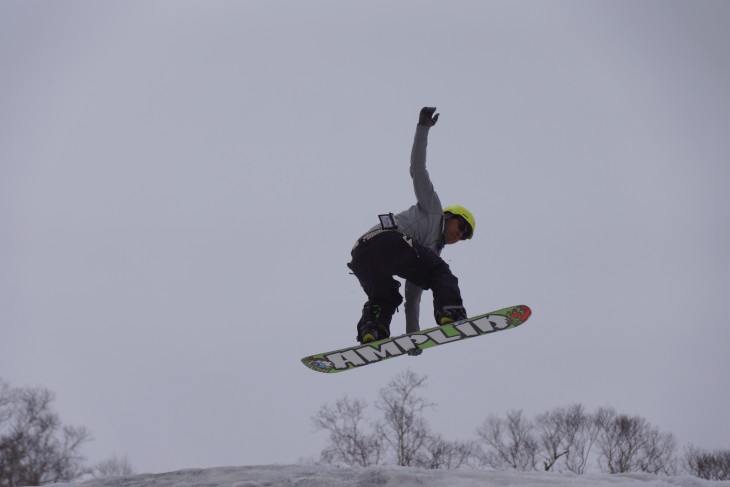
(318, 476)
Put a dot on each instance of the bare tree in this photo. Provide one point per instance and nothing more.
(404, 428)
(709, 465)
(5, 412)
(657, 453)
(113, 466)
(554, 438)
(510, 440)
(35, 448)
(566, 433)
(403, 431)
(583, 429)
(441, 453)
(619, 440)
(631, 444)
(4, 401)
(348, 444)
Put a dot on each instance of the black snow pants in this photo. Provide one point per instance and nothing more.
(375, 261)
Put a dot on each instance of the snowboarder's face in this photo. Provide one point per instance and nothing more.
(454, 231)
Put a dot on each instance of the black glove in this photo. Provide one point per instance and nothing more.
(427, 117)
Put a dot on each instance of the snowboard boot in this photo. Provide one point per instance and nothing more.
(374, 324)
(449, 314)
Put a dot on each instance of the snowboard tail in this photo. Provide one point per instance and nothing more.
(365, 354)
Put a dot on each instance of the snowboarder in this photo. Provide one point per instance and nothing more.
(408, 245)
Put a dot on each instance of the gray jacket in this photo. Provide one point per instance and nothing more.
(423, 222)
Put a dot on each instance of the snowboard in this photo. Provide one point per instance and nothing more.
(370, 353)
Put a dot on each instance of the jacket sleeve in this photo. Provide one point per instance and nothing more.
(426, 196)
(412, 306)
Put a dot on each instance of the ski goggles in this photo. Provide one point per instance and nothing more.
(464, 227)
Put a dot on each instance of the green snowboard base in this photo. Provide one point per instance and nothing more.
(370, 353)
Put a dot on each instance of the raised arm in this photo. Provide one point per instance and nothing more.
(425, 194)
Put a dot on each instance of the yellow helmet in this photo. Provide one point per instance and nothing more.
(465, 215)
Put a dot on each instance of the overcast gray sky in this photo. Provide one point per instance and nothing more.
(181, 183)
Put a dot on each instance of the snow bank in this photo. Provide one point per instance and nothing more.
(319, 476)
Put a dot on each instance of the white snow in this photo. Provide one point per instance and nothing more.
(321, 476)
